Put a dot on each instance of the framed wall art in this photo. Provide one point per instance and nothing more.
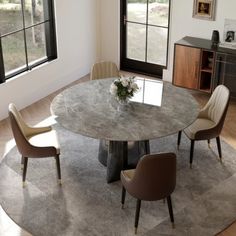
(204, 9)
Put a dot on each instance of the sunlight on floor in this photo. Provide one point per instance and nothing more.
(8, 227)
(51, 120)
(8, 146)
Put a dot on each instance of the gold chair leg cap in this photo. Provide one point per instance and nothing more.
(209, 146)
(23, 184)
(22, 166)
(135, 230)
(173, 225)
(59, 182)
(221, 160)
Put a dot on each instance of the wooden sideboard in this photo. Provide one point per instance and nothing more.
(198, 65)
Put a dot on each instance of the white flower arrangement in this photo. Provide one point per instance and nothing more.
(124, 88)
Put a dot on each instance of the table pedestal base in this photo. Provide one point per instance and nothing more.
(120, 155)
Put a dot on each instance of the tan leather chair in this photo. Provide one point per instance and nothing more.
(210, 120)
(33, 142)
(105, 69)
(153, 179)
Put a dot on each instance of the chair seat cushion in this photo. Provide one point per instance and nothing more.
(197, 125)
(45, 139)
(128, 174)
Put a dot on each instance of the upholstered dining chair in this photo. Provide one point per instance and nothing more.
(210, 121)
(105, 69)
(33, 142)
(153, 179)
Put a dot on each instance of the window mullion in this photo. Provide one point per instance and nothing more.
(146, 32)
(50, 31)
(2, 70)
(24, 33)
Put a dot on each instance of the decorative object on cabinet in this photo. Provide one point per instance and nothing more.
(215, 38)
(229, 35)
(204, 9)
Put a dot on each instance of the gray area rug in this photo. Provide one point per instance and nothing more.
(204, 200)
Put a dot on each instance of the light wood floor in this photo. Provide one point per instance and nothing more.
(41, 110)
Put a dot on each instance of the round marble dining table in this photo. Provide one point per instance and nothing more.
(89, 109)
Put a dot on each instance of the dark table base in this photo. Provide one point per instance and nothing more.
(121, 155)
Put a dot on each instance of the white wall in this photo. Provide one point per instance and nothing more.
(77, 51)
(181, 24)
(110, 30)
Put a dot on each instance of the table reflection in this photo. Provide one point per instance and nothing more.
(150, 91)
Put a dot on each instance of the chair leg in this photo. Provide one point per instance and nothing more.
(209, 143)
(147, 147)
(219, 147)
(191, 153)
(22, 162)
(138, 205)
(58, 168)
(170, 210)
(123, 197)
(179, 139)
(24, 170)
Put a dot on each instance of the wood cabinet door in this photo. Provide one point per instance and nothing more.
(186, 66)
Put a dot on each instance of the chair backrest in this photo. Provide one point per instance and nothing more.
(18, 128)
(103, 70)
(155, 177)
(217, 106)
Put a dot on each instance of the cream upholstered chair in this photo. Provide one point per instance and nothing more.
(33, 142)
(105, 69)
(210, 120)
(153, 179)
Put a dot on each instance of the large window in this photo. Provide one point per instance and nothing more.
(27, 35)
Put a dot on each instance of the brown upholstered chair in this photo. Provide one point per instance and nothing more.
(105, 69)
(153, 179)
(210, 120)
(33, 142)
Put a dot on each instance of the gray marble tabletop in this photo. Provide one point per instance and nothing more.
(89, 109)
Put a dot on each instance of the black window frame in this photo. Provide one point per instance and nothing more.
(132, 65)
(50, 40)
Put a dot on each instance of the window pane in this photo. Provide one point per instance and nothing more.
(10, 16)
(33, 12)
(13, 52)
(137, 10)
(158, 13)
(35, 38)
(136, 39)
(157, 45)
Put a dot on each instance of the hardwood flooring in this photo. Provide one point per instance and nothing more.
(40, 110)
